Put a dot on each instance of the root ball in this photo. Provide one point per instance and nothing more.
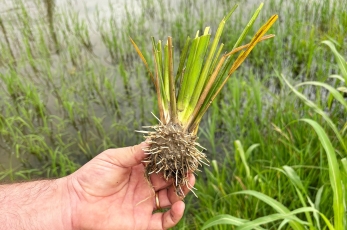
(174, 153)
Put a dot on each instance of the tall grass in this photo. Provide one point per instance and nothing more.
(313, 207)
(73, 86)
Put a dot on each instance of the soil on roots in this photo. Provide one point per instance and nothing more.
(174, 153)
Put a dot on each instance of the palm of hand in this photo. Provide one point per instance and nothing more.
(110, 192)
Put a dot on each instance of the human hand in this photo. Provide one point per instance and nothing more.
(111, 192)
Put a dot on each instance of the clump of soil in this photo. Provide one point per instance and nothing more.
(174, 153)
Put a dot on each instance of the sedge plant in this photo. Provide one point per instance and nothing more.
(202, 72)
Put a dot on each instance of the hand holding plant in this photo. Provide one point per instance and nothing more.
(109, 192)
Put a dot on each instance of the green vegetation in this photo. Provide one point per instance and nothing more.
(201, 81)
(276, 135)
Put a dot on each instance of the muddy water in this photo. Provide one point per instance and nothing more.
(87, 8)
(86, 11)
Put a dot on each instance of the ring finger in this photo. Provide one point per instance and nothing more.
(168, 196)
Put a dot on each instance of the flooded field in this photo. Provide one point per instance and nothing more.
(73, 85)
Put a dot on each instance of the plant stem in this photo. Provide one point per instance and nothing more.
(172, 90)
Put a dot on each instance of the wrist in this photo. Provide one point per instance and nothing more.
(81, 215)
(35, 205)
(66, 203)
(72, 199)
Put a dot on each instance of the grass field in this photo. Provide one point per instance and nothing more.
(73, 86)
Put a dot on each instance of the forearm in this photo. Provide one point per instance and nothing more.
(35, 205)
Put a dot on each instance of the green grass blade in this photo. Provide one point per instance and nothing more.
(318, 197)
(183, 58)
(225, 219)
(248, 26)
(255, 40)
(222, 73)
(340, 60)
(243, 55)
(191, 77)
(294, 177)
(335, 76)
(331, 89)
(159, 65)
(299, 187)
(317, 110)
(316, 206)
(334, 174)
(344, 164)
(280, 208)
(218, 72)
(163, 82)
(250, 150)
(160, 58)
(274, 217)
(226, 18)
(172, 89)
(166, 72)
(189, 65)
(215, 61)
(240, 152)
(159, 84)
(204, 100)
(207, 65)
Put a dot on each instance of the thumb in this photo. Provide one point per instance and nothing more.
(128, 156)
